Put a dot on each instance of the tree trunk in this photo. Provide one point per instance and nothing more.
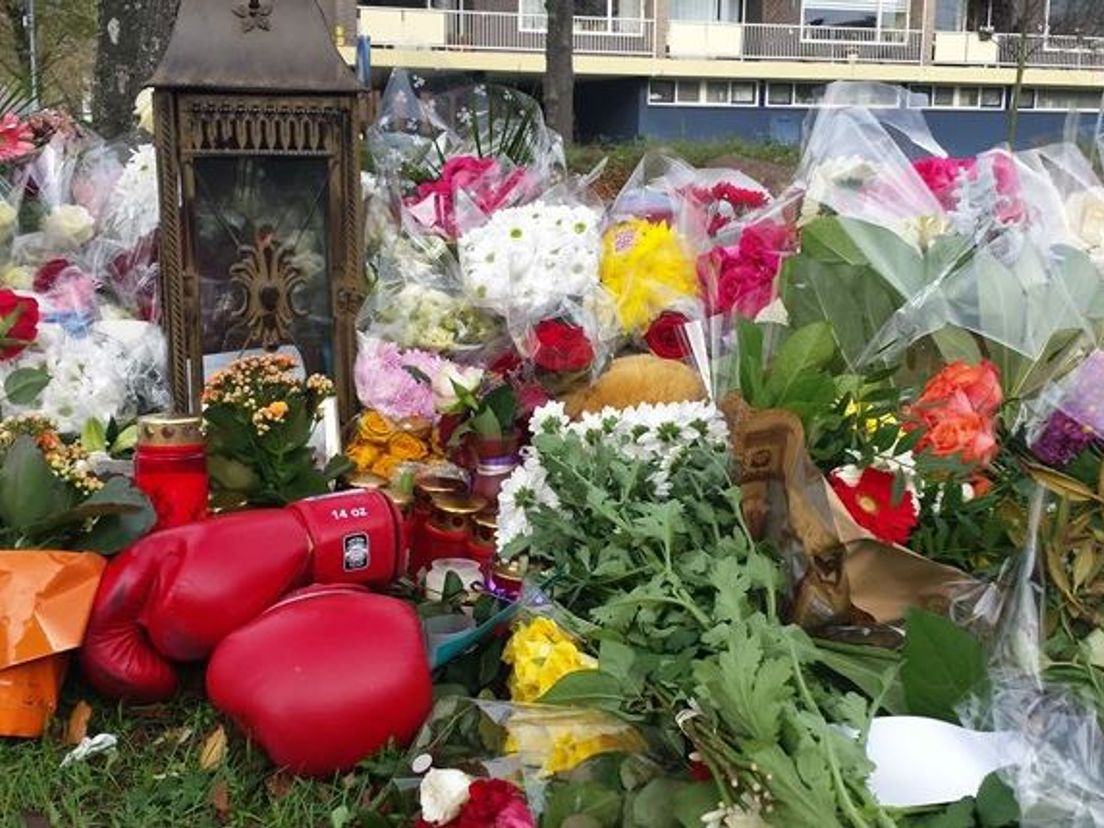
(133, 35)
(559, 75)
(1023, 45)
(13, 11)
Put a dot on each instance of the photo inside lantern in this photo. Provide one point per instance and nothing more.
(261, 256)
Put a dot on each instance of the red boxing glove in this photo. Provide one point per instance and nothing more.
(175, 594)
(325, 677)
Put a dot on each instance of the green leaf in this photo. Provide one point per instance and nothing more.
(957, 815)
(996, 804)
(23, 385)
(94, 435)
(618, 660)
(808, 349)
(126, 440)
(654, 806)
(943, 663)
(873, 670)
(30, 493)
(130, 517)
(582, 799)
(586, 688)
(231, 474)
(693, 801)
(503, 403)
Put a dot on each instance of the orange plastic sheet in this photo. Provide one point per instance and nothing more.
(45, 600)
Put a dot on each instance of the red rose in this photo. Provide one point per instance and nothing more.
(561, 347)
(665, 337)
(19, 325)
(48, 274)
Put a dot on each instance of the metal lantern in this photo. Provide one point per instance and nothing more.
(257, 130)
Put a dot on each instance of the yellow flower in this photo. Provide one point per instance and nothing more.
(277, 409)
(386, 465)
(646, 268)
(871, 424)
(407, 447)
(362, 455)
(557, 741)
(541, 654)
(375, 428)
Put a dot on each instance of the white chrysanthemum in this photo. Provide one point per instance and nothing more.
(442, 793)
(143, 109)
(132, 210)
(550, 418)
(526, 488)
(529, 259)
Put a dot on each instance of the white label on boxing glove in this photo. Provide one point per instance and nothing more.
(357, 554)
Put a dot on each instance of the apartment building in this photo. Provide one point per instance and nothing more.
(705, 68)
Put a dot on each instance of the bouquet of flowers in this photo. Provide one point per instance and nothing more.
(50, 499)
(259, 416)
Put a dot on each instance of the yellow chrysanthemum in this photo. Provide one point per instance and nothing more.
(646, 268)
(541, 654)
(558, 742)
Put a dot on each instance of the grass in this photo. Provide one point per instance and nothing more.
(770, 163)
(155, 777)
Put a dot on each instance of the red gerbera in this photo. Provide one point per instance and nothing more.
(871, 504)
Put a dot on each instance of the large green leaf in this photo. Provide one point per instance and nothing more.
(29, 492)
(586, 688)
(127, 516)
(589, 804)
(808, 349)
(23, 385)
(943, 663)
(873, 670)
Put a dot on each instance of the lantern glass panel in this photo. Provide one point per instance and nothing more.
(262, 258)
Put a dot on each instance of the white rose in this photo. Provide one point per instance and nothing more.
(17, 277)
(143, 109)
(68, 226)
(1085, 210)
(442, 794)
(8, 215)
(446, 382)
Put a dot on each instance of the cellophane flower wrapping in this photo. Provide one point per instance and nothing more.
(83, 246)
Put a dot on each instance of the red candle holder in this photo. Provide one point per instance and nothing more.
(170, 466)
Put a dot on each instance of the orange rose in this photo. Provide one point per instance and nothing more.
(407, 447)
(979, 383)
(362, 455)
(386, 465)
(375, 428)
(964, 433)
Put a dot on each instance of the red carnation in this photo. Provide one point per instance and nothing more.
(870, 503)
(561, 347)
(19, 325)
(494, 803)
(665, 337)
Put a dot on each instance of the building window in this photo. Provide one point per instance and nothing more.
(1075, 17)
(703, 93)
(795, 94)
(950, 15)
(661, 92)
(823, 19)
(705, 11)
(925, 96)
(1083, 100)
(591, 16)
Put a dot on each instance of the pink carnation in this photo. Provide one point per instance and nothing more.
(483, 180)
(388, 379)
(942, 176)
(741, 277)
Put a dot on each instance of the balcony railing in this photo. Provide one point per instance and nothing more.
(501, 31)
(510, 31)
(1051, 51)
(829, 43)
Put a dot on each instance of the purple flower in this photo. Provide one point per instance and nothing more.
(1062, 439)
(392, 381)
